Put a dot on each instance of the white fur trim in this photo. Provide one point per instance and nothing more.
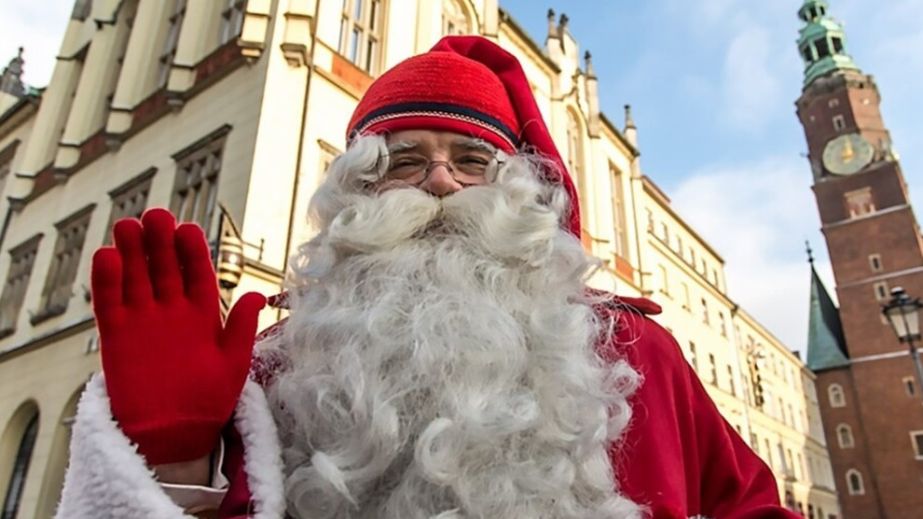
(262, 453)
(106, 477)
(699, 517)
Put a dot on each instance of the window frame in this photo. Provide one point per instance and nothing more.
(838, 389)
(129, 189)
(213, 144)
(860, 491)
(27, 251)
(370, 29)
(844, 436)
(65, 265)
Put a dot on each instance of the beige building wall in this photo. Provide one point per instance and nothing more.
(246, 104)
(761, 388)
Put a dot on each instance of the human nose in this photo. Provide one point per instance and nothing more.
(440, 181)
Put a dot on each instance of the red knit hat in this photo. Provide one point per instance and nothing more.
(468, 85)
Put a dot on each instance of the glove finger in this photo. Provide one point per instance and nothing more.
(240, 330)
(159, 231)
(136, 283)
(106, 281)
(201, 283)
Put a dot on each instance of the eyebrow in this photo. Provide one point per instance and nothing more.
(470, 143)
(397, 147)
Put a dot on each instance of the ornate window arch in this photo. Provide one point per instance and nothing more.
(16, 447)
(854, 482)
(844, 436)
(455, 18)
(836, 395)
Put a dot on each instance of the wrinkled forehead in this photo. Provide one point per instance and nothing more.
(424, 141)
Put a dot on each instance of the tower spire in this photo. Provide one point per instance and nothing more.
(821, 42)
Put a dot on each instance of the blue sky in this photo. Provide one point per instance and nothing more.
(712, 84)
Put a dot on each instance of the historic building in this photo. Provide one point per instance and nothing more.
(870, 402)
(229, 112)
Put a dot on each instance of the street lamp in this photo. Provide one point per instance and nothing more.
(904, 315)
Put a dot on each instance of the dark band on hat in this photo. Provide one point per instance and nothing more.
(438, 110)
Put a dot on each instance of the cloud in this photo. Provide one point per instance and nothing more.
(751, 89)
(757, 215)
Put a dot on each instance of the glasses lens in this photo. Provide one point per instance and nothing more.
(407, 167)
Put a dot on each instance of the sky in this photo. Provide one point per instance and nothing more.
(712, 84)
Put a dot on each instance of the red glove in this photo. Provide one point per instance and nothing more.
(173, 371)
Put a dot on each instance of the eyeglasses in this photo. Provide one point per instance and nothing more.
(469, 169)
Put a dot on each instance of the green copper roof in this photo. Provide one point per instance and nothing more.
(821, 42)
(826, 347)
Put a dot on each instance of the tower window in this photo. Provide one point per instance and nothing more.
(823, 50)
(837, 45)
(844, 436)
(839, 122)
(881, 290)
(806, 52)
(875, 262)
(859, 202)
(917, 438)
(835, 393)
(854, 482)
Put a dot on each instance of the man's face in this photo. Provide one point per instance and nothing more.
(438, 162)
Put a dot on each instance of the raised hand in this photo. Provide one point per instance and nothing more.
(173, 370)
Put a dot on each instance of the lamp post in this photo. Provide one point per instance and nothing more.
(904, 315)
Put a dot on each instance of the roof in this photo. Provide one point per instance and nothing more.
(826, 345)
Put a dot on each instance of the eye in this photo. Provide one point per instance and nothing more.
(479, 160)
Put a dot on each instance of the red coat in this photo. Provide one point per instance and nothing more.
(678, 456)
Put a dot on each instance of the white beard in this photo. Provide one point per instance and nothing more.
(443, 362)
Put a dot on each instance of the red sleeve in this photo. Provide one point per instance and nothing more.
(679, 456)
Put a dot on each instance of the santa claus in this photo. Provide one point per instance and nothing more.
(443, 357)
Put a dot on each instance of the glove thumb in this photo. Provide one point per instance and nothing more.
(240, 329)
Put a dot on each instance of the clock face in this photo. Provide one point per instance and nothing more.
(847, 154)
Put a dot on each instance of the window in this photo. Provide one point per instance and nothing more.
(692, 256)
(833, 103)
(844, 436)
(650, 220)
(196, 189)
(232, 19)
(722, 324)
(799, 467)
(836, 396)
(823, 50)
(20, 469)
(917, 438)
(72, 233)
(705, 318)
(859, 202)
(755, 443)
(360, 33)
(731, 386)
(791, 415)
(881, 290)
(454, 19)
(575, 158)
(169, 48)
(664, 281)
(837, 44)
(768, 452)
(712, 369)
(693, 359)
(854, 482)
(679, 245)
(685, 295)
(129, 200)
(875, 262)
(619, 220)
(909, 386)
(664, 232)
(839, 123)
(22, 258)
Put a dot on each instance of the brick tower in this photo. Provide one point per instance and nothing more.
(871, 405)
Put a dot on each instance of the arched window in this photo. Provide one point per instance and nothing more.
(844, 436)
(17, 478)
(454, 19)
(854, 482)
(835, 393)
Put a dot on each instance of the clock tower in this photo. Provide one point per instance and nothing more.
(871, 404)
